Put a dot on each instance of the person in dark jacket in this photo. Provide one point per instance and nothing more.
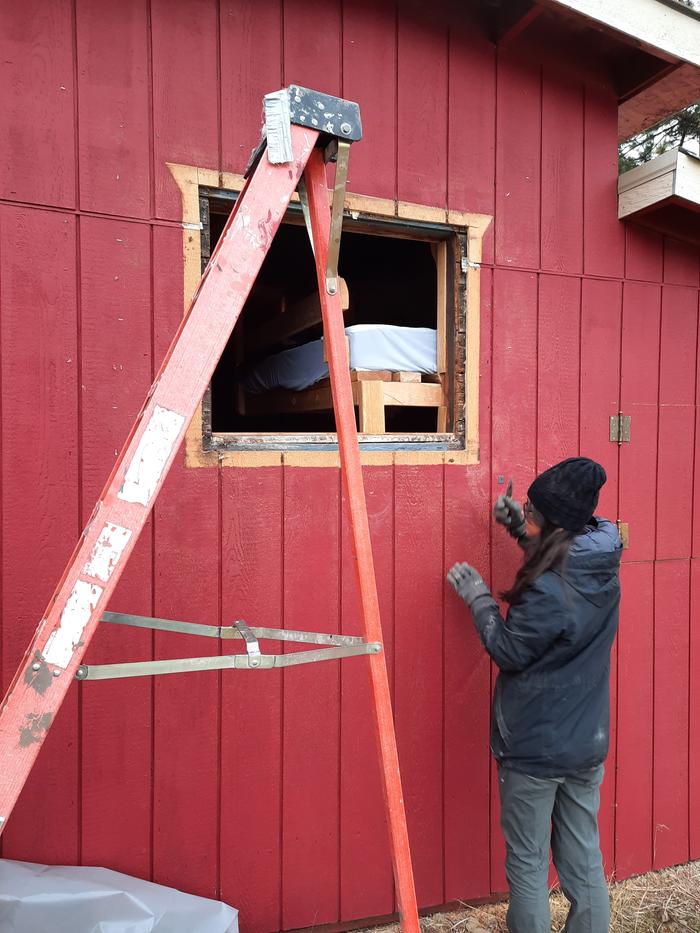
(550, 714)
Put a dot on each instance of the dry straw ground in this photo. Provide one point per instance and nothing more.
(660, 902)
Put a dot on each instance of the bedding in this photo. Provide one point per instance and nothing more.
(372, 347)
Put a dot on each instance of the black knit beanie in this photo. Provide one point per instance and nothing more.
(567, 493)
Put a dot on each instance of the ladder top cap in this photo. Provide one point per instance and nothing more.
(333, 116)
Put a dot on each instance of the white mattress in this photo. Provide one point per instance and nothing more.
(372, 347)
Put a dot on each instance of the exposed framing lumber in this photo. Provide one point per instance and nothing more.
(370, 403)
(318, 397)
(514, 18)
(441, 262)
(292, 320)
(406, 377)
(190, 178)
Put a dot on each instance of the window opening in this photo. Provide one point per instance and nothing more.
(271, 387)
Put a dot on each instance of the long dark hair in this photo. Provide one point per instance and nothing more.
(546, 550)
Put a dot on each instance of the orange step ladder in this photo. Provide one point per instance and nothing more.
(303, 130)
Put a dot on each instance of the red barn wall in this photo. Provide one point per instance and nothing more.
(262, 789)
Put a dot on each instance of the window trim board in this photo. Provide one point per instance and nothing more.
(190, 179)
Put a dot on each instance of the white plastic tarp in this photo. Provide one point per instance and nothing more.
(37, 898)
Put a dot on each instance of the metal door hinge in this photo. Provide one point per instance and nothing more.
(623, 529)
(620, 428)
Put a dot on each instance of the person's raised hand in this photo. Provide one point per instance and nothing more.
(467, 583)
(510, 514)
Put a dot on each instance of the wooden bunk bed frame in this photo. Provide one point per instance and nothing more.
(373, 391)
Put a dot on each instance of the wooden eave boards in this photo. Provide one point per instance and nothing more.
(665, 28)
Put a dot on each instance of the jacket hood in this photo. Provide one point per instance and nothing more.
(593, 562)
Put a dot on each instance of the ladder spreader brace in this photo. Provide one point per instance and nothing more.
(340, 646)
(303, 130)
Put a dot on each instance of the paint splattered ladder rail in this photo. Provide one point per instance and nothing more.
(303, 129)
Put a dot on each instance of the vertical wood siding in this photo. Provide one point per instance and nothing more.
(264, 789)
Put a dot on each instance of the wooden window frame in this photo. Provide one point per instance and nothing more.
(204, 448)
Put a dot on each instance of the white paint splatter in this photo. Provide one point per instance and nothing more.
(107, 551)
(154, 448)
(63, 641)
(242, 224)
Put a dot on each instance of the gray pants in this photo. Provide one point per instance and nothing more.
(563, 813)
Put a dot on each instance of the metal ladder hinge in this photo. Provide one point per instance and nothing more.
(337, 648)
(620, 428)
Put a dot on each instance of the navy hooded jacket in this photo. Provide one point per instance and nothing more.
(551, 706)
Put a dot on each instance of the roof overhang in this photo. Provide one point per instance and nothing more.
(666, 29)
(670, 93)
(664, 193)
(651, 48)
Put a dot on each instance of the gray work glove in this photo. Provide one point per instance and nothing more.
(509, 513)
(467, 583)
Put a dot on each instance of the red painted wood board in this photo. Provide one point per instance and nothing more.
(311, 725)
(418, 667)
(601, 312)
(38, 156)
(635, 720)
(681, 263)
(601, 324)
(312, 54)
(671, 655)
(641, 316)
(467, 696)
(422, 104)
(518, 150)
(253, 530)
(366, 883)
(39, 495)
(513, 451)
(471, 163)
(186, 119)
(643, 253)
(674, 519)
(185, 587)
(114, 107)
(251, 66)
(116, 371)
(562, 227)
(603, 233)
(694, 708)
(695, 552)
(369, 76)
(678, 346)
(558, 347)
(514, 399)
(312, 44)
(467, 684)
